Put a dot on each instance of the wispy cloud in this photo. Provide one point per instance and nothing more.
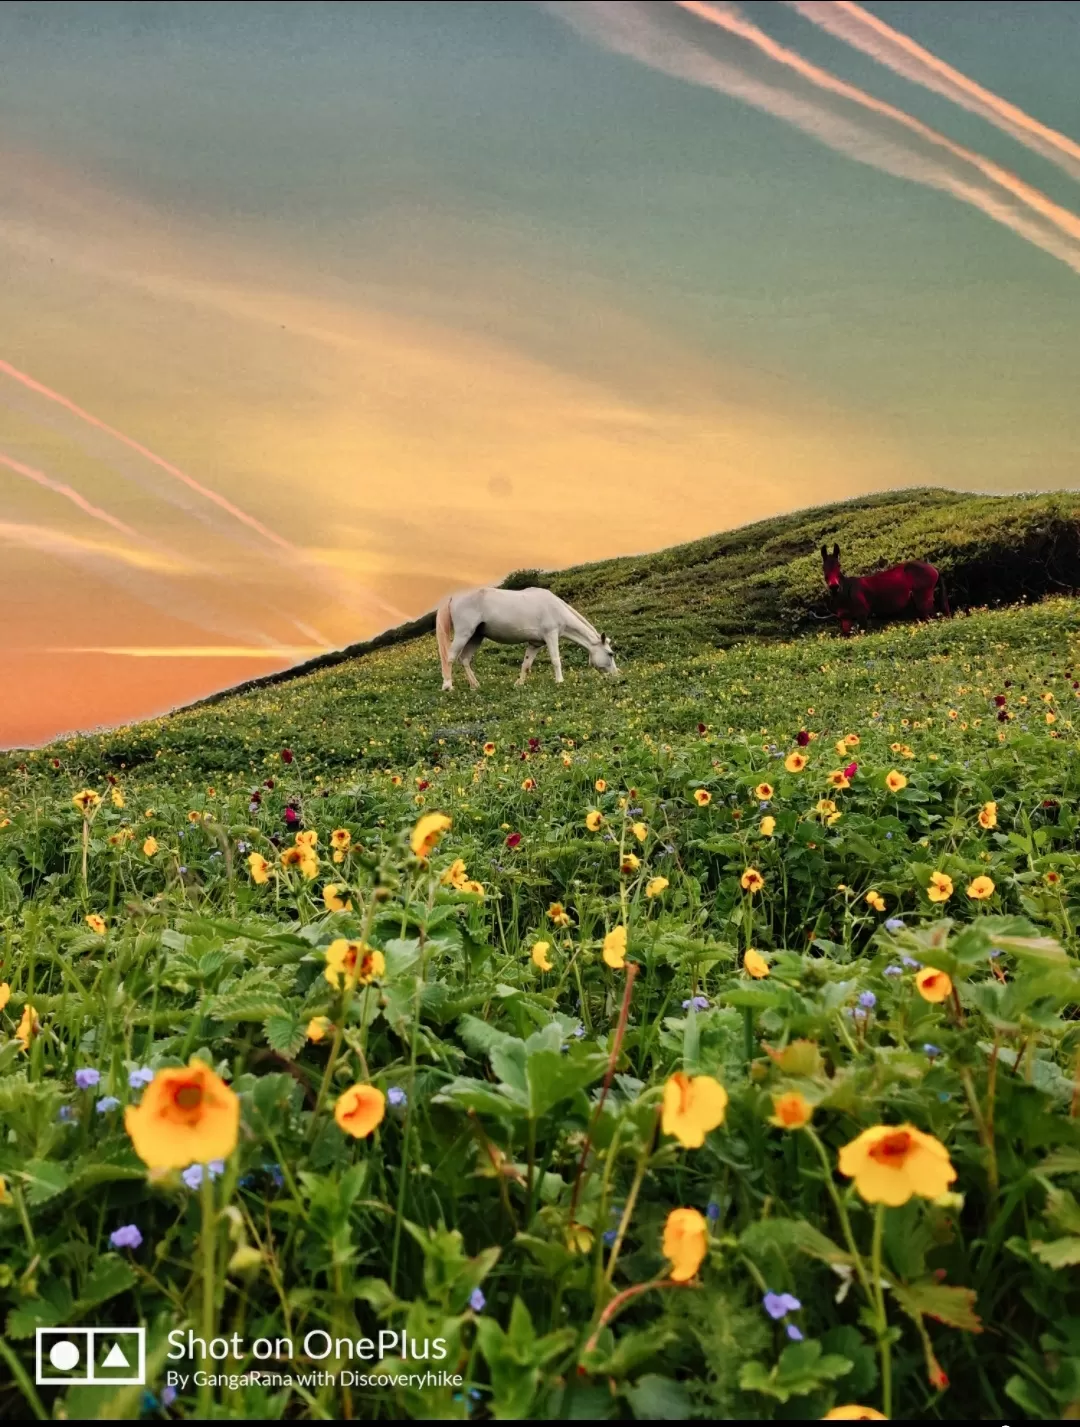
(59, 543)
(197, 651)
(31, 473)
(866, 32)
(901, 146)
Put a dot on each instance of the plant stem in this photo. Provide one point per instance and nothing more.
(620, 1031)
(208, 1244)
(884, 1346)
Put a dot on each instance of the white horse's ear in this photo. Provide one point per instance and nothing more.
(605, 641)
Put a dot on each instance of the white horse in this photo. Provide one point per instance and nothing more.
(531, 617)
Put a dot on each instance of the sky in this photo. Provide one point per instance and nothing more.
(312, 313)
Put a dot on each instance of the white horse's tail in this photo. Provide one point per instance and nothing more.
(444, 630)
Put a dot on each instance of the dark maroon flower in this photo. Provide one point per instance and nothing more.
(802, 738)
(256, 796)
(513, 840)
(534, 744)
(703, 728)
(1003, 717)
(999, 699)
(1008, 683)
(423, 783)
(286, 755)
(269, 783)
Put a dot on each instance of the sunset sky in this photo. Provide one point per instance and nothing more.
(310, 313)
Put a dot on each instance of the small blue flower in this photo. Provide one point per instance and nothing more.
(182, 869)
(66, 1114)
(274, 1171)
(893, 970)
(894, 924)
(795, 1334)
(193, 1175)
(779, 1305)
(87, 1079)
(712, 1211)
(149, 1402)
(867, 1000)
(107, 1103)
(699, 1003)
(609, 1236)
(995, 952)
(944, 1096)
(168, 1395)
(396, 1096)
(126, 1237)
(477, 1300)
(578, 1032)
(764, 806)
(931, 1050)
(140, 1077)
(911, 963)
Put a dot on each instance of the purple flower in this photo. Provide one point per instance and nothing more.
(867, 1000)
(126, 1237)
(894, 925)
(66, 1114)
(107, 1103)
(578, 1032)
(140, 1077)
(995, 952)
(712, 1211)
(609, 1236)
(396, 1096)
(274, 1171)
(699, 1003)
(477, 1300)
(87, 1079)
(911, 963)
(795, 1334)
(893, 970)
(193, 1175)
(779, 1305)
(168, 1395)
(931, 1050)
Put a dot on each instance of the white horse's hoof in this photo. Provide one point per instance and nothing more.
(447, 686)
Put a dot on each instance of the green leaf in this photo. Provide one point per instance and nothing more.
(43, 1180)
(802, 1369)
(284, 1033)
(1058, 1253)
(659, 1398)
(940, 1301)
(111, 1276)
(792, 1235)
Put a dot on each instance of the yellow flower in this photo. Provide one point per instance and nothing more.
(894, 781)
(194, 817)
(593, 820)
(259, 868)
(558, 914)
(95, 923)
(28, 1027)
(767, 826)
(755, 964)
(685, 1243)
(751, 881)
(3, 1190)
(150, 846)
(792, 1111)
(630, 863)
(117, 839)
(852, 1412)
(655, 886)
(475, 887)
(579, 1239)
(702, 797)
(980, 889)
(360, 1110)
(763, 792)
(302, 857)
(890, 1163)
(455, 875)
(795, 762)
(693, 1105)
(309, 838)
(932, 984)
(5, 994)
(87, 801)
(427, 832)
(529, 785)
(600, 785)
(349, 962)
(117, 798)
(539, 955)
(341, 839)
(318, 1028)
(489, 749)
(187, 1115)
(640, 831)
(841, 749)
(940, 888)
(988, 815)
(839, 779)
(875, 900)
(615, 948)
(825, 807)
(331, 895)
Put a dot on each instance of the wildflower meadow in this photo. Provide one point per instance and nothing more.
(697, 1045)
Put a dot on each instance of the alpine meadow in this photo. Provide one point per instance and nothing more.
(700, 1044)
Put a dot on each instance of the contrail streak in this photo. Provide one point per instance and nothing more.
(205, 491)
(863, 30)
(625, 29)
(728, 18)
(68, 492)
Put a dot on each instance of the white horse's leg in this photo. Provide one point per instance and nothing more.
(552, 642)
(531, 651)
(467, 658)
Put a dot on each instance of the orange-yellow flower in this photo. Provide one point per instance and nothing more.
(558, 914)
(693, 1105)
(655, 886)
(455, 875)
(932, 984)
(763, 792)
(629, 864)
(981, 888)
(303, 858)
(87, 801)
(852, 1412)
(539, 955)
(489, 749)
(5, 994)
(751, 881)
(594, 820)
(427, 832)
(988, 815)
(28, 1027)
(767, 826)
(795, 762)
(615, 948)
(352, 962)
(187, 1115)
(331, 895)
(940, 888)
(600, 785)
(875, 900)
(755, 964)
(318, 1028)
(685, 1243)
(360, 1110)
(894, 781)
(194, 817)
(150, 846)
(792, 1111)
(96, 923)
(341, 839)
(259, 867)
(640, 831)
(117, 798)
(839, 779)
(308, 838)
(702, 797)
(890, 1163)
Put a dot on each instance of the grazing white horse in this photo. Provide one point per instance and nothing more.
(531, 617)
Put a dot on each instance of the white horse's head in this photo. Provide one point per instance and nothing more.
(601, 656)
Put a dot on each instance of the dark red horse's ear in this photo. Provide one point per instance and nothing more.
(824, 553)
(836, 550)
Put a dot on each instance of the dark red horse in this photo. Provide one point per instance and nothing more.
(909, 589)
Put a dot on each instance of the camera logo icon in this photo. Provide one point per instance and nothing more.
(66, 1357)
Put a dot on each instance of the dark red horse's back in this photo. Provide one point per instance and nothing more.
(909, 588)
